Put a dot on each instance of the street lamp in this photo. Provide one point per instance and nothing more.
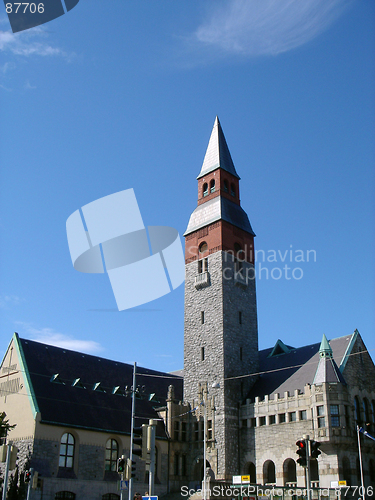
(215, 385)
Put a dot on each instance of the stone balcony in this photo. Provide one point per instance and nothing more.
(202, 280)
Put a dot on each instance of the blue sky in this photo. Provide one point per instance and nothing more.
(116, 95)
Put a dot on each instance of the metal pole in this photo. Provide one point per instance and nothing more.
(30, 483)
(132, 432)
(306, 437)
(360, 463)
(204, 445)
(151, 477)
(6, 473)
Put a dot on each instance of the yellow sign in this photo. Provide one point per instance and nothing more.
(245, 479)
(342, 483)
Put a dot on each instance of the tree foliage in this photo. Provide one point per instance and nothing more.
(5, 426)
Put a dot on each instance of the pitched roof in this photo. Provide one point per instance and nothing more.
(296, 368)
(219, 208)
(79, 390)
(217, 153)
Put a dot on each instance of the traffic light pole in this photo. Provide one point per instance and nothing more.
(151, 447)
(306, 437)
(132, 431)
(6, 473)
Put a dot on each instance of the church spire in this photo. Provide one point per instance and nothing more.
(217, 153)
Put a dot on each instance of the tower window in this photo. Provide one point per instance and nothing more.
(240, 353)
(203, 247)
(205, 189)
(226, 188)
(202, 317)
(202, 353)
(240, 318)
(203, 265)
(212, 186)
(232, 190)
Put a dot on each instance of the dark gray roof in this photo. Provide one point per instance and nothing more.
(219, 208)
(217, 153)
(82, 406)
(293, 370)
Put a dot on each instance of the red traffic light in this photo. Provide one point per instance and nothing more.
(301, 443)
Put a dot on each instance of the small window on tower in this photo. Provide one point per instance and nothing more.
(202, 317)
(240, 317)
(240, 353)
(202, 353)
(226, 188)
(232, 190)
(203, 247)
(203, 265)
(212, 186)
(205, 189)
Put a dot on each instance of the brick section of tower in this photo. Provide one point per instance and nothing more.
(221, 335)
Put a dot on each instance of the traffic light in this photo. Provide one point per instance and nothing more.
(36, 480)
(28, 476)
(140, 439)
(128, 470)
(315, 452)
(133, 469)
(13, 457)
(120, 465)
(302, 452)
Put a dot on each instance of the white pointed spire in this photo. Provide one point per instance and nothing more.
(217, 153)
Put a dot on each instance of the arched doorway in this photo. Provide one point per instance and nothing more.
(289, 472)
(269, 472)
(250, 470)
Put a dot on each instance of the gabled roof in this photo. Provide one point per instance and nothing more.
(219, 208)
(296, 368)
(217, 153)
(79, 390)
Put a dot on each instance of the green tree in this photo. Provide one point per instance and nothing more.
(5, 426)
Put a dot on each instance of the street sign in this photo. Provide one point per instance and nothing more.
(124, 485)
(150, 498)
(245, 479)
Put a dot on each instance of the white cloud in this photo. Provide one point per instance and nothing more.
(266, 27)
(8, 300)
(51, 337)
(24, 44)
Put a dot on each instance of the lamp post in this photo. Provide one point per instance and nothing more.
(215, 385)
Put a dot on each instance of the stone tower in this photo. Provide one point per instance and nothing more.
(221, 335)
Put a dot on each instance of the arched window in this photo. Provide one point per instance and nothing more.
(346, 471)
(269, 474)
(205, 189)
(357, 411)
(65, 495)
(232, 190)
(203, 247)
(226, 188)
(111, 496)
(66, 458)
(249, 470)
(111, 455)
(290, 471)
(212, 186)
(366, 411)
